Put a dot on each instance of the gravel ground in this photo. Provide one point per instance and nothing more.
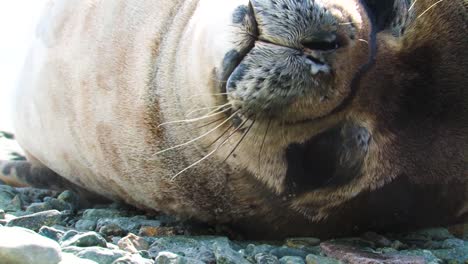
(44, 226)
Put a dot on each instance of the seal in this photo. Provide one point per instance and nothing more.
(278, 117)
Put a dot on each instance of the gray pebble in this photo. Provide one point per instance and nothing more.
(37, 220)
(86, 225)
(165, 257)
(133, 259)
(88, 239)
(226, 255)
(16, 204)
(38, 207)
(291, 260)
(2, 214)
(112, 230)
(95, 214)
(314, 259)
(263, 258)
(51, 233)
(285, 251)
(97, 254)
(302, 242)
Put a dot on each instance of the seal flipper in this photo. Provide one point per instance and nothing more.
(28, 174)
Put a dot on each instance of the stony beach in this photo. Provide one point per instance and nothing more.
(47, 227)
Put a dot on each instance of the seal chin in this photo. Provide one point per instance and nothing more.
(295, 67)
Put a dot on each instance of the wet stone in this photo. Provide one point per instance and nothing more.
(37, 220)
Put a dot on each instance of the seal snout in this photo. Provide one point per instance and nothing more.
(292, 62)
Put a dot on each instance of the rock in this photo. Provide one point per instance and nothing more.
(7, 194)
(457, 254)
(165, 257)
(60, 205)
(155, 231)
(285, 251)
(2, 214)
(132, 243)
(69, 197)
(452, 243)
(314, 259)
(226, 255)
(302, 242)
(251, 250)
(95, 214)
(19, 246)
(68, 258)
(200, 248)
(33, 195)
(69, 234)
(86, 225)
(291, 260)
(38, 207)
(88, 239)
(37, 220)
(97, 254)
(426, 254)
(379, 241)
(51, 233)
(437, 234)
(128, 224)
(16, 204)
(262, 258)
(353, 255)
(112, 230)
(133, 259)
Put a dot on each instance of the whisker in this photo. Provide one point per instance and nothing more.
(199, 137)
(206, 156)
(263, 144)
(194, 119)
(427, 10)
(210, 123)
(240, 141)
(224, 133)
(218, 107)
(412, 5)
(205, 94)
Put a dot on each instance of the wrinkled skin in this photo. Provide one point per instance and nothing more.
(334, 116)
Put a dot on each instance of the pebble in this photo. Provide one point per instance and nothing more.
(51, 233)
(132, 243)
(165, 257)
(112, 230)
(291, 260)
(97, 254)
(7, 193)
(263, 258)
(37, 220)
(302, 242)
(86, 225)
(133, 259)
(226, 255)
(70, 198)
(2, 214)
(154, 231)
(314, 259)
(16, 204)
(95, 214)
(25, 246)
(88, 239)
(285, 251)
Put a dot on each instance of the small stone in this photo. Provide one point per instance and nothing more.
(452, 243)
(291, 260)
(112, 230)
(285, 251)
(353, 255)
(128, 224)
(152, 231)
(201, 248)
(133, 259)
(69, 197)
(302, 242)
(263, 258)
(314, 259)
(37, 220)
(19, 246)
(171, 258)
(2, 214)
(398, 245)
(16, 204)
(226, 255)
(437, 234)
(51, 233)
(251, 250)
(379, 241)
(88, 239)
(69, 234)
(38, 207)
(97, 254)
(85, 225)
(59, 205)
(95, 214)
(7, 193)
(132, 243)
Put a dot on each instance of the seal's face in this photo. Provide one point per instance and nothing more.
(334, 94)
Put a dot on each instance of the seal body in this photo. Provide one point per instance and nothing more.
(280, 117)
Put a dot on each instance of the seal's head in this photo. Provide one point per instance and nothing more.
(331, 99)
